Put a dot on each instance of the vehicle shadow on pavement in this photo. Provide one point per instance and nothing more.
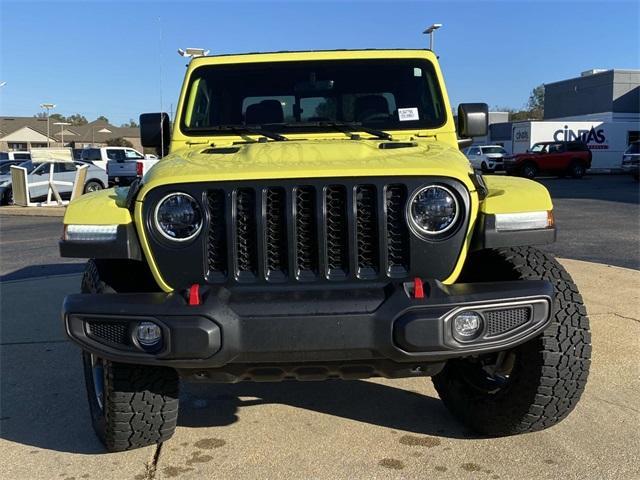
(48, 270)
(203, 405)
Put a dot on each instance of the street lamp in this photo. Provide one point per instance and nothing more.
(429, 31)
(62, 125)
(47, 107)
(193, 52)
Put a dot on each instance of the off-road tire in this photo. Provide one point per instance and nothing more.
(549, 372)
(529, 170)
(139, 403)
(577, 169)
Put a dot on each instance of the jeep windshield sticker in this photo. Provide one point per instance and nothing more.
(408, 114)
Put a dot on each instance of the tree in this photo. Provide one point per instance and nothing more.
(535, 105)
(102, 118)
(77, 119)
(119, 142)
(130, 124)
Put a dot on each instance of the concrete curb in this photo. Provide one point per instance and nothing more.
(33, 211)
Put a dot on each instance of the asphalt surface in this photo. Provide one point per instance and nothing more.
(358, 429)
(598, 219)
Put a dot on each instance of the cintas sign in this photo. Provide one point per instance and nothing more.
(594, 138)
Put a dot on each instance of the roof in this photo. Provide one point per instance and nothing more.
(596, 75)
(356, 50)
(308, 55)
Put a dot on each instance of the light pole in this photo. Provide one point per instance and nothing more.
(47, 107)
(429, 31)
(62, 125)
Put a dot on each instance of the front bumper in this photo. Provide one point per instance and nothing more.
(235, 331)
(631, 168)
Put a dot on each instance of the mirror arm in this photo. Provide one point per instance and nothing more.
(464, 142)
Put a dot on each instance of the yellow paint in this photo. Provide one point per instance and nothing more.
(144, 243)
(104, 207)
(514, 195)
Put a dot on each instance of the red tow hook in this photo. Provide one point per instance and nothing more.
(194, 294)
(418, 288)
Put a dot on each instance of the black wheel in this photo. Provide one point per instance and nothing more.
(92, 186)
(484, 167)
(7, 198)
(537, 384)
(636, 177)
(577, 170)
(529, 170)
(131, 406)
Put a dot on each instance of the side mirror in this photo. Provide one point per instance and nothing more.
(155, 131)
(473, 120)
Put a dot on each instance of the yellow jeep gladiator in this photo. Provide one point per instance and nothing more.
(315, 219)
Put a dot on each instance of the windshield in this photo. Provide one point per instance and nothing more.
(5, 167)
(486, 150)
(634, 148)
(300, 96)
(538, 147)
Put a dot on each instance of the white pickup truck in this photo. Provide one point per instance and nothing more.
(122, 164)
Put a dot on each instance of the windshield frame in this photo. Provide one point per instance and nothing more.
(290, 128)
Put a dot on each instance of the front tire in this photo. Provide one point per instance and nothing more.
(529, 170)
(538, 383)
(131, 406)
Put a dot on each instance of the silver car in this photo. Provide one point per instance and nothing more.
(64, 172)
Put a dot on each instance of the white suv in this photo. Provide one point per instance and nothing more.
(488, 158)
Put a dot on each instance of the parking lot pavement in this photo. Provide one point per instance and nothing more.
(598, 219)
(357, 429)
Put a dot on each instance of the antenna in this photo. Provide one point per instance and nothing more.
(160, 84)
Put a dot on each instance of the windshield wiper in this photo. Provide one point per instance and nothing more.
(345, 127)
(239, 129)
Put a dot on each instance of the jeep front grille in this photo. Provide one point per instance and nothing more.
(307, 232)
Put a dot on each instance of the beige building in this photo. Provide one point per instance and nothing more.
(25, 133)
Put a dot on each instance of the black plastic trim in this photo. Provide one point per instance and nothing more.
(254, 327)
(486, 235)
(125, 246)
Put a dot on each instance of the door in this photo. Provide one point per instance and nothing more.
(39, 174)
(64, 172)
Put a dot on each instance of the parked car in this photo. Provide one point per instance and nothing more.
(22, 156)
(558, 158)
(65, 172)
(126, 165)
(487, 158)
(631, 160)
(100, 156)
(315, 250)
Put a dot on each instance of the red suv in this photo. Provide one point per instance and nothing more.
(561, 158)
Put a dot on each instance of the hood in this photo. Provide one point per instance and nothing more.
(309, 159)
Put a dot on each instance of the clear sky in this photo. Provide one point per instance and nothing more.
(114, 58)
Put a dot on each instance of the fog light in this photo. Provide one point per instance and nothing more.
(148, 334)
(467, 325)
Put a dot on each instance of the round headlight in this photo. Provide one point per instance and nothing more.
(178, 217)
(433, 210)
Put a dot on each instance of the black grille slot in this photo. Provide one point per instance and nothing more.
(367, 231)
(245, 233)
(275, 232)
(337, 235)
(217, 240)
(502, 321)
(110, 332)
(397, 231)
(306, 232)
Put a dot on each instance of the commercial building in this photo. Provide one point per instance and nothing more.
(600, 107)
(25, 133)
